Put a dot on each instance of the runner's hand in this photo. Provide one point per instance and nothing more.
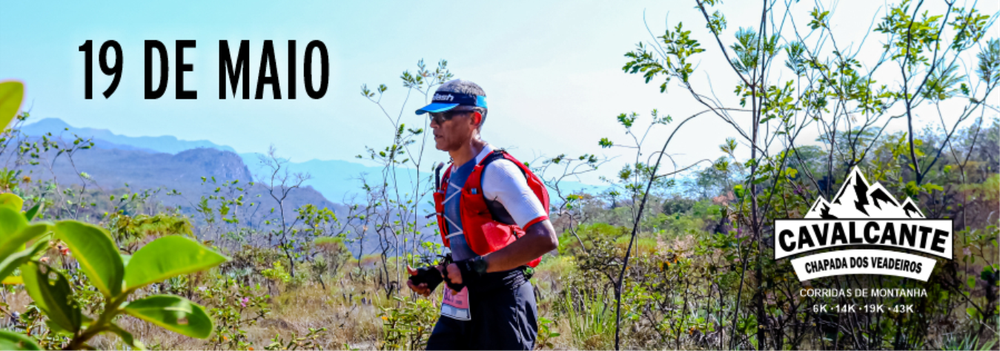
(454, 275)
(419, 289)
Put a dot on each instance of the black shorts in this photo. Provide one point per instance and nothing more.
(504, 317)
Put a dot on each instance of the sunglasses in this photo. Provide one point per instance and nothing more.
(442, 117)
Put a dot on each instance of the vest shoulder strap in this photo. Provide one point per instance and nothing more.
(500, 154)
(445, 178)
(473, 185)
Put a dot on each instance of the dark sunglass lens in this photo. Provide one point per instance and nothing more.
(441, 117)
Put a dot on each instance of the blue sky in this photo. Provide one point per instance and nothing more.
(551, 70)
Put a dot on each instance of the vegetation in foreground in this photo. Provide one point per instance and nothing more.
(656, 261)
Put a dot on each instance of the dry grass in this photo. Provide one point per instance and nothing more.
(348, 308)
(348, 321)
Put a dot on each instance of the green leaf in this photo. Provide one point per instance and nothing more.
(11, 201)
(761, 179)
(11, 222)
(11, 243)
(912, 189)
(85, 323)
(52, 296)
(11, 262)
(16, 341)
(97, 254)
(127, 337)
(930, 187)
(973, 312)
(173, 313)
(11, 94)
(56, 328)
(32, 212)
(791, 172)
(168, 257)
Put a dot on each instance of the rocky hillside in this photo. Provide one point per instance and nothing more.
(111, 169)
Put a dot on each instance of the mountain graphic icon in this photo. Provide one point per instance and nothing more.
(859, 199)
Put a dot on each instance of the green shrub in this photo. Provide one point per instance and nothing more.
(407, 324)
(591, 320)
(235, 307)
(114, 275)
(277, 273)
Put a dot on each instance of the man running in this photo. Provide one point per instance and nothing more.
(492, 213)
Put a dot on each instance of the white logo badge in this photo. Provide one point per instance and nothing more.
(866, 216)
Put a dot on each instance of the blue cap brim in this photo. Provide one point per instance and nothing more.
(436, 107)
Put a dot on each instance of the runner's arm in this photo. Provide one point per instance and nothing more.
(504, 182)
(538, 239)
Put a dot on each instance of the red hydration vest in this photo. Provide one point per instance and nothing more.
(483, 233)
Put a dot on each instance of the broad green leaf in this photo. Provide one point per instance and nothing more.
(173, 313)
(127, 337)
(761, 179)
(930, 187)
(11, 262)
(58, 329)
(16, 341)
(168, 257)
(11, 201)
(11, 94)
(973, 312)
(97, 254)
(52, 296)
(11, 222)
(12, 243)
(33, 211)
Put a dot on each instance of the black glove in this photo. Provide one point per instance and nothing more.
(472, 269)
(444, 272)
(453, 286)
(429, 275)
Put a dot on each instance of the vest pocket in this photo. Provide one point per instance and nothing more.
(496, 236)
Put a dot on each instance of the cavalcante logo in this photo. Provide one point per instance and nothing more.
(867, 216)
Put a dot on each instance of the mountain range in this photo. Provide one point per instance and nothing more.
(104, 138)
(337, 180)
(195, 169)
(859, 199)
(187, 175)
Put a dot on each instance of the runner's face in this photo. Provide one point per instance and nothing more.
(451, 133)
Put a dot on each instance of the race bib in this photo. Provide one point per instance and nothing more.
(456, 306)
